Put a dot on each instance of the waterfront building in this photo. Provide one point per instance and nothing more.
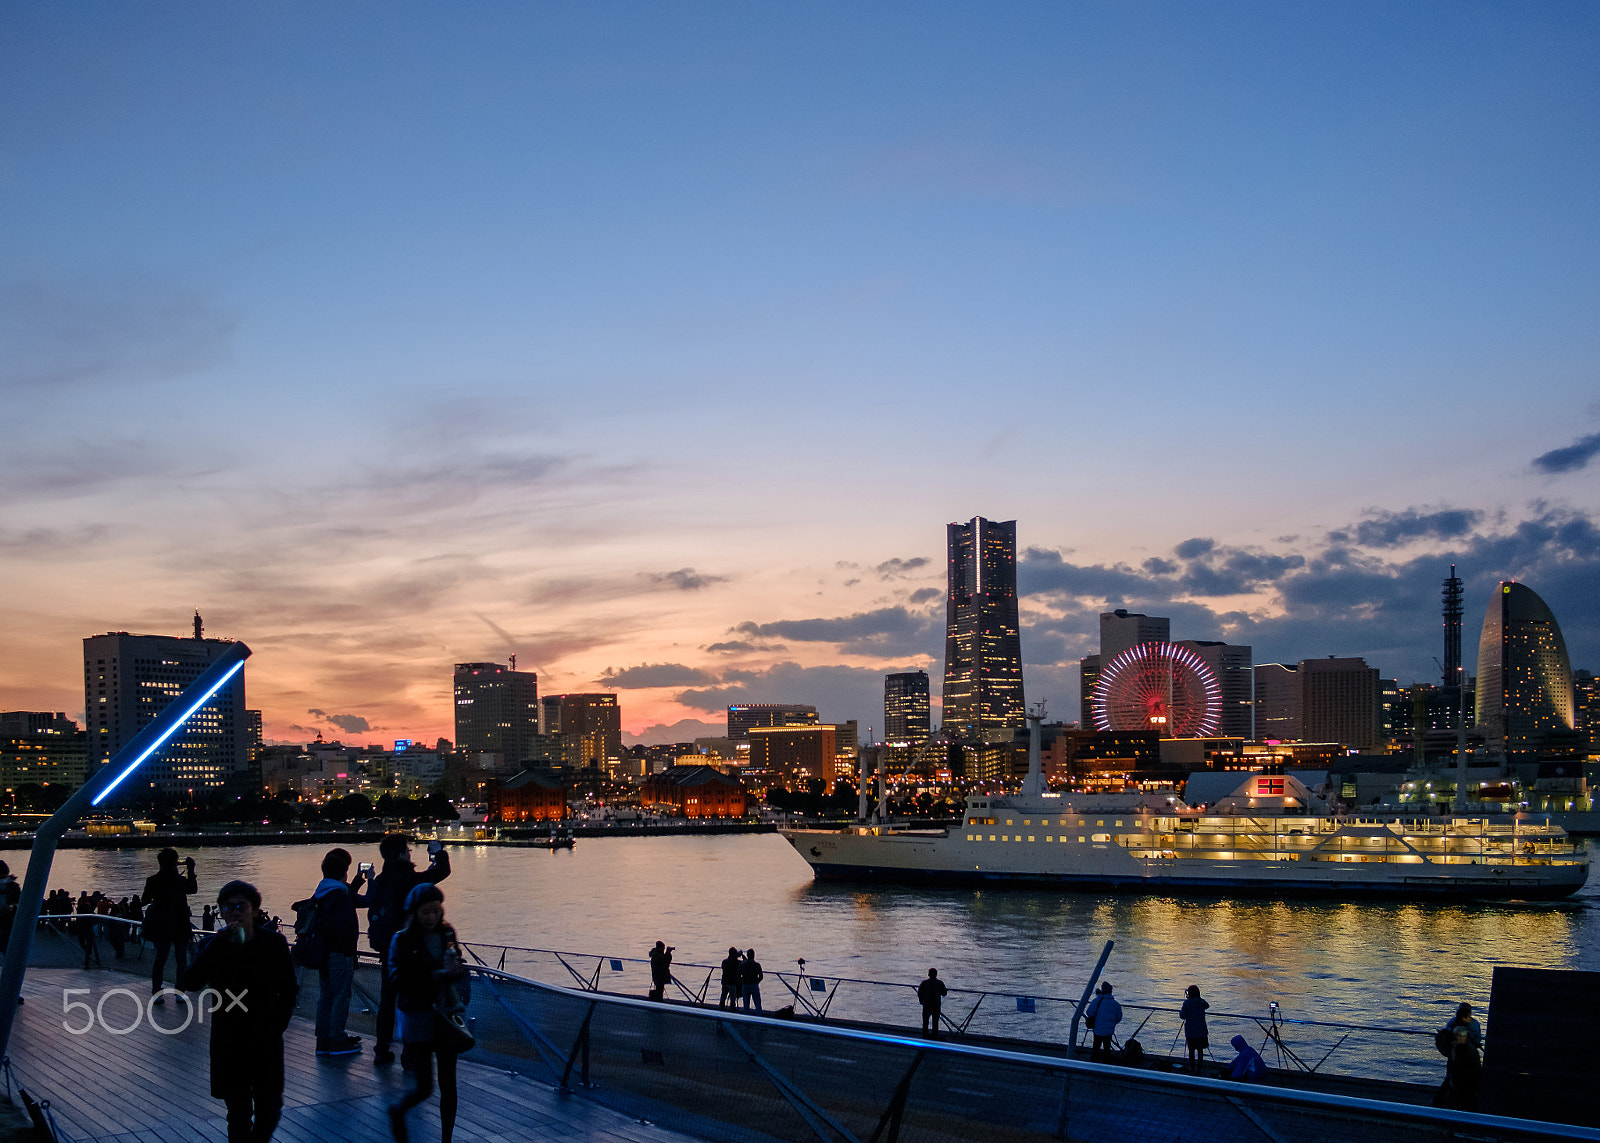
(129, 679)
(1235, 672)
(528, 796)
(746, 717)
(1088, 677)
(695, 792)
(497, 711)
(43, 748)
(1339, 701)
(787, 755)
(1524, 690)
(907, 716)
(983, 696)
(1278, 712)
(1586, 709)
(593, 721)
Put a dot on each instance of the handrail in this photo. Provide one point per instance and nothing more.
(1337, 1105)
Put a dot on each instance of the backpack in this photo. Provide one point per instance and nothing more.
(310, 947)
(1445, 1039)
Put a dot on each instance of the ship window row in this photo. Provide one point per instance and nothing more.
(1098, 837)
(1063, 822)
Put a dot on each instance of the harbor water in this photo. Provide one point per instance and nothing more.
(1385, 965)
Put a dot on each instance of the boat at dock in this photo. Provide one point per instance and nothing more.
(1271, 836)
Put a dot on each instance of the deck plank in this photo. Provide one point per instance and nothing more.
(149, 1087)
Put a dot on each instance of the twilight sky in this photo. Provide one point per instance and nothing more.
(657, 343)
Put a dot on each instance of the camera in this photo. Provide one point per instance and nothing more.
(364, 867)
(434, 847)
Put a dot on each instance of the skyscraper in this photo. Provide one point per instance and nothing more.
(1121, 629)
(906, 713)
(1524, 676)
(497, 711)
(129, 679)
(1277, 708)
(593, 720)
(1340, 701)
(1232, 665)
(982, 647)
(745, 718)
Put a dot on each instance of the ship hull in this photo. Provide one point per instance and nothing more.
(923, 860)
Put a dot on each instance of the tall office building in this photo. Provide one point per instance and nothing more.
(743, 719)
(1586, 709)
(1088, 676)
(129, 679)
(593, 720)
(907, 716)
(982, 648)
(1525, 700)
(42, 748)
(1236, 676)
(1340, 702)
(1121, 629)
(1277, 702)
(497, 711)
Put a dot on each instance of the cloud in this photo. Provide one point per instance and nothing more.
(741, 647)
(1042, 571)
(894, 630)
(648, 675)
(925, 595)
(898, 567)
(685, 579)
(1189, 549)
(1235, 571)
(60, 334)
(684, 730)
(838, 692)
(1570, 458)
(349, 723)
(1390, 529)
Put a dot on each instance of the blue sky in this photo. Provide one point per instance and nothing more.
(395, 335)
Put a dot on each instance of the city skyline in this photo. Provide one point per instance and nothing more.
(1257, 318)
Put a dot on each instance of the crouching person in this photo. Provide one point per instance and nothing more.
(253, 979)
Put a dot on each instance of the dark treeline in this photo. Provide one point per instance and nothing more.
(213, 807)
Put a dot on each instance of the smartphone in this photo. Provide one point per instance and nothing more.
(364, 867)
(434, 847)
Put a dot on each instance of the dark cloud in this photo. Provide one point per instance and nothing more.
(349, 723)
(740, 647)
(60, 334)
(1235, 571)
(1158, 566)
(1571, 457)
(1389, 529)
(838, 692)
(684, 730)
(897, 567)
(51, 541)
(885, 630)
(685, 579)
(1198, 546)
(925, 595)
(1042, 571)
(648, 675)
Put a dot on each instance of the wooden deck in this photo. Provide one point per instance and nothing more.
(147, 1087)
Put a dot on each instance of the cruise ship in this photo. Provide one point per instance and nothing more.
(1271, 836)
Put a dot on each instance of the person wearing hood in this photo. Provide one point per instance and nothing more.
(340, 931)
(386, 914)
(10, 894)
(1248, 1066)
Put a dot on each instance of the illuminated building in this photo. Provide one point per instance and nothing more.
(497, 711)
(787, 755)
(594, 721)
(1277, 702)
(742, 719)
(1525, 699)
(41, 747)
(906, 713)
(695, 792)
(1339, 702)
(1586, 709)
(1088, 676)
(530, 796)
(983, 698)
(1121, 629)
(129, 679)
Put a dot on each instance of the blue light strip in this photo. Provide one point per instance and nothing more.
(168, 733)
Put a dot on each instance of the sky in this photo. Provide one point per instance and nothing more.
(656, 344)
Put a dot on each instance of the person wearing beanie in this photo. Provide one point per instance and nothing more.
(386, 913)
(246, 961)
(426, 968)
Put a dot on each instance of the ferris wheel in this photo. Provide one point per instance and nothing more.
(1161, 687)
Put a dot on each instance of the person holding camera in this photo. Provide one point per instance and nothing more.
(660, 969)
(167, 922)
(250, 969)
(429, 977)
(386, 914)
(339, 930)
